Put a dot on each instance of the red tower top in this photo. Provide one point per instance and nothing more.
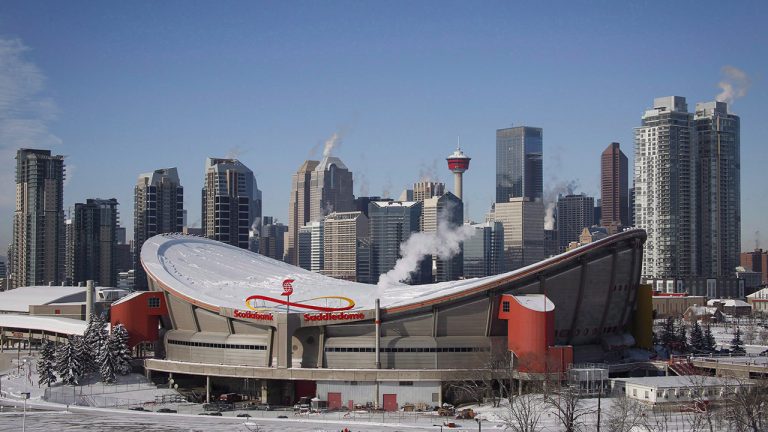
(458, 162)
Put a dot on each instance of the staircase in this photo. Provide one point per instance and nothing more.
(681, 366)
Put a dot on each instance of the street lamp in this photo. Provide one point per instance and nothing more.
(479, 424)
(25, 396)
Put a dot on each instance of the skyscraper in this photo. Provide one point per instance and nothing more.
(614, 188)
(484, 251)
(310, 246)
(523, 222)
(444, 212)
(231, 203)
(427, 189)
(344, 233)
(94, 232)
(38, 222)
(158, 208)
(298, 207)
(271, 240)
(330, 189)
(665, 188)
(519, 169)
(392, 223)
(574, 213)
(719, 189)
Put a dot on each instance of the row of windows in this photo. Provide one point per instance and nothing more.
(217, 345)
(409, 349)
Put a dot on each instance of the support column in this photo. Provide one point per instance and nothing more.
(207, 389)
(286, 326)
(264, 391)
(377, 321)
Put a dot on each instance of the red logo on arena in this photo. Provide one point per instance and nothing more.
(287, 287)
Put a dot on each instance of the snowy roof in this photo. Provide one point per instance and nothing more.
(45, 323)
(729, 302)
(762, 294)
(677, 381)
(19, 299)
(535, 302)
(702, 310)
(217, 275)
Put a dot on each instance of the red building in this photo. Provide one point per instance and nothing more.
(140, 314)
(756, 261)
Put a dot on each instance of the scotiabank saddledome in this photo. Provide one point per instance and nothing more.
(228, 317)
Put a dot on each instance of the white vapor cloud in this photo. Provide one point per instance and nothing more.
(25, 112)
(734, 84)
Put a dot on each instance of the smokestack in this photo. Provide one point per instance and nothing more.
(88, 300)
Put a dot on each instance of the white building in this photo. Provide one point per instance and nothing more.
(665, 188)
(676, 389)
(342, 234)
(523, 222)
(310, 246)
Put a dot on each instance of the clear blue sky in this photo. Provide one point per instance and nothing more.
(127, 87)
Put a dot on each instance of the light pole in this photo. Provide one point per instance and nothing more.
(479, 424)
(24, 417)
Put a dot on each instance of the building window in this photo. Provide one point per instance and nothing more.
(505, 306)
(406, 383)
(154, 302)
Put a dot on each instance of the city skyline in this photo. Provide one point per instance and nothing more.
(105, 119)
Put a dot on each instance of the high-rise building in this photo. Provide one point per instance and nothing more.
(665, 188)
(310, 246)
(551, 245)
(519, 169)
(298, 207)
(719, 189)
(94, 232)
(631, 206)
(69, 247)
(523, 222)
(330, 189)
(38, 222)
(231, 203)
(271, 240)
(574, 213)
(484, 250)
(3, 276)
(614, 189)
(158, 208)
(444, 212)
(392, 223)
(343, 234)
(427, 189)
(361, 203)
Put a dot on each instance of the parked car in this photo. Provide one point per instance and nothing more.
(303, 404)
(138, 408)
(230, 398)
(243, 415)
(167, 411)
(262, 407)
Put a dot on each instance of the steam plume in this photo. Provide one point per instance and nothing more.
(331, 143)
(428, 172)
(445, 243)
(734, 84)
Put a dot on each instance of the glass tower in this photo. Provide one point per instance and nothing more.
(519, 169)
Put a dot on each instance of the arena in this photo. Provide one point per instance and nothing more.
(228, 323)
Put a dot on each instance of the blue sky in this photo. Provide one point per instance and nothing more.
(122, 88)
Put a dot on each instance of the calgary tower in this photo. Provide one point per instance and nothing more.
(458, 162)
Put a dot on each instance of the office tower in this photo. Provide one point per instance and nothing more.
(719, 193)
(69, 247)
(121, 235)
(484, 251)
(427, 189)
(298, 207)
(665, 188)
(614, 189)
(231, 202)
(523, 222)
(3, 276)
(458, 163)
(574, 213)
(439, 213)
(158, 208)
(38, 222)
(519, 169)
(598, 213)
(330, 189)
(271, 241)
(756, 261)
(94, 228)
(631, 207)
(392, 223)
(361, 203)
(343, 233)
(551, 244)
(406, 195)
(310, 248)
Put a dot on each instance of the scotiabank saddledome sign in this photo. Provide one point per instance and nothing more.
(324, 308)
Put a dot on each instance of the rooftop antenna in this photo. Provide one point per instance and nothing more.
(458, 142)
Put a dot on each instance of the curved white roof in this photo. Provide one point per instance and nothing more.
(19, 299)
(214, 274)
(49, 324)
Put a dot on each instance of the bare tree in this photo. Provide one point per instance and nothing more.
(703, 416)
(626, 415)
(569, 408)
(660, 420)
(524, 412)
(747, 405)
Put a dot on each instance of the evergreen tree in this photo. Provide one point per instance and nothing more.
(45, 364)
(68, 364)
(107, 367)
(95, 337)
(681, 338)
(737, 346)
(118, 344)
(709, 340)
(697, 342)
(668, 333)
